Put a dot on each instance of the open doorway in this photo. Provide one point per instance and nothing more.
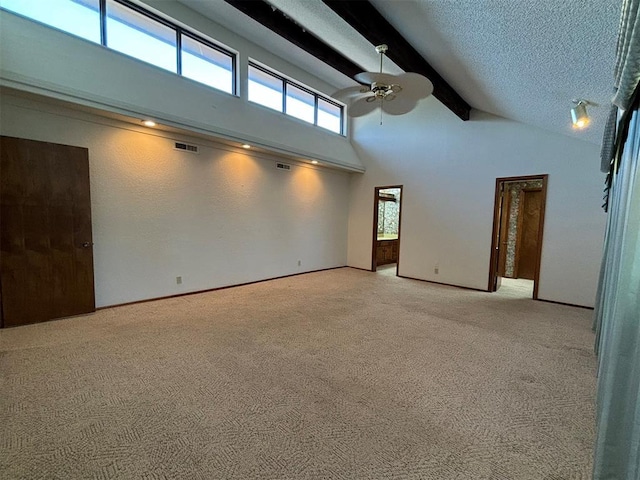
(516, 242)
(387, 212)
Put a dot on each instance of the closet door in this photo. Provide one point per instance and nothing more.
(531, 203)
(46, 249)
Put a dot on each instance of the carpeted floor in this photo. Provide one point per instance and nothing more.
(331, 375)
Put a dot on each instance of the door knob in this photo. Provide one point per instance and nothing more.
(87, 244)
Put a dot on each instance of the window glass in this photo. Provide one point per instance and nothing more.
(207, 65)
(300, 104)
(141, 37)
(78, 17)
(265, 89)
(329, 116)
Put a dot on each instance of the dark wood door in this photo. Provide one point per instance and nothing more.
(527, 249)
(503, 235)
(46, 262)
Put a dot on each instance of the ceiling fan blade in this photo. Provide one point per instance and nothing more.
(346, 93)
(414, 85)
(362, 106)
(371, 77)
(399, 105)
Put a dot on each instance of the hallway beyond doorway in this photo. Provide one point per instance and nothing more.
(388, 270)
(518, 226)
(515, 288)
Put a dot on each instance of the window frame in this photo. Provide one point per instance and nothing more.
(287, 81)
(59, 29)
(179, 31)
(330, 101)
(250, 65)
(208, 43)
(151, 16)
(305, 90)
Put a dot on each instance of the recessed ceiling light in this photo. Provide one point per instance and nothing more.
(246, 145)
(315, 162)
(149, 123)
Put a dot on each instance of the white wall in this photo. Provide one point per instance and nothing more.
(219, 218)
(448, 169)
(42, 60)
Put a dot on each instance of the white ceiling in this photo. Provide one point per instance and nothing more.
(520, 59)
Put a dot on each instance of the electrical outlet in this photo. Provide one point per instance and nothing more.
(436, 269)
(299, 262)
(179, 280)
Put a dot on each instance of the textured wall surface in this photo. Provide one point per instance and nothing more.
(218, 218)
(40, 59)
(448, 171)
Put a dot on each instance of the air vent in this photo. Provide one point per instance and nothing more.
(185, 147)
(283, 166)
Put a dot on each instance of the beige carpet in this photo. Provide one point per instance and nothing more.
(330, 375)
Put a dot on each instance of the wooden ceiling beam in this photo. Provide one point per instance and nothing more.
(366, 20)
(369, 23)
(278, 22)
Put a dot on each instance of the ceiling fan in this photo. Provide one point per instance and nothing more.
(394, 94)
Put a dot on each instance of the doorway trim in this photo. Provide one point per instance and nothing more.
(493, 262)
(374, 237)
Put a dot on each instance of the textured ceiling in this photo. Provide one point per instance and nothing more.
(517, 59)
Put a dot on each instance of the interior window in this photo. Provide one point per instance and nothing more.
(268, 89)
(206, 64)
(135, 34)
(329, 116)
(300, 103)
(134, 31)
(79, 17)
(265, 88)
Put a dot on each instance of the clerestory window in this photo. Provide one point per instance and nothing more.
(135, 31)
(274, 91)
(131, 29)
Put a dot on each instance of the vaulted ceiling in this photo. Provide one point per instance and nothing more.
(516, 59)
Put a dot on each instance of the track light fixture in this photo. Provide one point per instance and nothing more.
(579, 116)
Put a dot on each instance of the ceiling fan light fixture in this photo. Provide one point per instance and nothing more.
(579, 117)
(383, 90)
